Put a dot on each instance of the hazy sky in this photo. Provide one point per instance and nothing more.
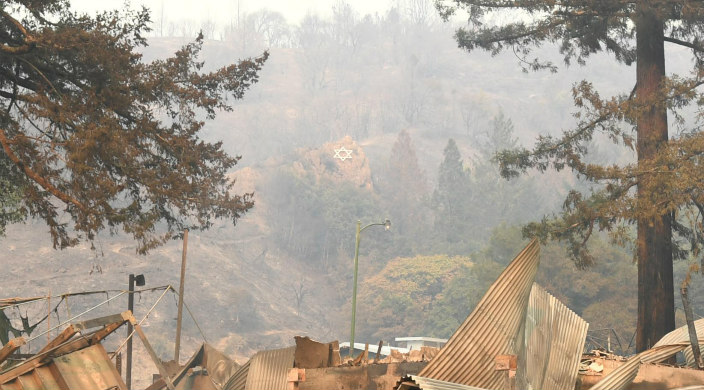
(222, 11)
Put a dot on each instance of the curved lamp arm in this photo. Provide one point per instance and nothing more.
(387, 225)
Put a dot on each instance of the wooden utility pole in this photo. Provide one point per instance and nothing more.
(180, 296)
(692, 330)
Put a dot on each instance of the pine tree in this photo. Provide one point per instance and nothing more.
(665, 182)
(499, 137)
(495, 200)
(94, 138)
(451, 197)
(405, 191)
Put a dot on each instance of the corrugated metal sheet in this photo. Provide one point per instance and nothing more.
(40, 378)
(554, 339)
(621, 377)
(88, 368)
(239, 379)
(689, 353)
(697, 387)
(418, 382)
(493, 328)
(670, 344)
(218, 369)
(681, 334)
(266, 370)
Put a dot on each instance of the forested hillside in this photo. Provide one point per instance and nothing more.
(422, 121)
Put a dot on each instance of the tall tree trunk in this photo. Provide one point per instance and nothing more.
(656, 305)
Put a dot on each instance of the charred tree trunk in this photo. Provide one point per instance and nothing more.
(656, 305)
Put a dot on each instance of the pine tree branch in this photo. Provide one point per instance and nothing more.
(461, 33)
(29, 42)
(581, 13)
(43, 182)
(22, 82)
(16, 23)
(42, 75)
(690, 45)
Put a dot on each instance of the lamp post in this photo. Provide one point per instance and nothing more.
(130, 306)
(387, 225)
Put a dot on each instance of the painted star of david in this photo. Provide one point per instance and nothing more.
(343, 153)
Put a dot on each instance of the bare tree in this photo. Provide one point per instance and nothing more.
(314, 39)
(271, 27)
(420, 12)
(344, 26)
(299, 292)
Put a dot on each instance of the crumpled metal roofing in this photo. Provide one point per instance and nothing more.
(266, 370)
(554, 339)
(689, 354)
(622, 376)
(682, 333)
(87, 368)
(493, 328)
(668, 345)
(696, 387)
(218, 369)
(69, 362)
(411, 382)
(238, 380)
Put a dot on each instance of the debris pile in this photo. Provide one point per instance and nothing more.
(424, 354)
(74, 360)
(517, 337)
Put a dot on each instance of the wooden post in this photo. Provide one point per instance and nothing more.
(692, 330)
(11, 346)
(180, 296)
(48, 317)
(358, 360)
(63, 337)
(608, 342)
(155, 358)
(378, 351)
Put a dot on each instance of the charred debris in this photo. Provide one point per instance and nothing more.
(517, 337)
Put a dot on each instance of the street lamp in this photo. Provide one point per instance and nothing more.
(139, 279)
(387, 225)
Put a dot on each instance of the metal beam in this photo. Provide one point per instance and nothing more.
(97, 322)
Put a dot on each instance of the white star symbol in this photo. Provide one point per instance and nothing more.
(343, 153)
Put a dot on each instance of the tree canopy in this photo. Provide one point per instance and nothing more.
(403, 191)
(449, 198)
(94, 138)
(661, 192)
